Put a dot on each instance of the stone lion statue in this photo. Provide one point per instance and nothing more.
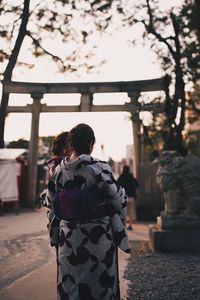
(179, 179)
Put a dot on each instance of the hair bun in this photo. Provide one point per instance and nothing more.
(81, 137)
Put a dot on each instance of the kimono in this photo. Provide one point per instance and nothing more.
(51, 164)
(87, 247)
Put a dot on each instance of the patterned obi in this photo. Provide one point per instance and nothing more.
(76, 204)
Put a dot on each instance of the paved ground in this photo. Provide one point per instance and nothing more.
(27, 262)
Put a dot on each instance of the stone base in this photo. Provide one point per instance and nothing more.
(174, 240)
(178, 222)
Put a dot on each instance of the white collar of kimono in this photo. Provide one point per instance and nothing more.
(83, 157)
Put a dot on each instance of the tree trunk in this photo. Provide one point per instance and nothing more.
(175, 138)
(10, 67)
(4, 103)
(181, 94)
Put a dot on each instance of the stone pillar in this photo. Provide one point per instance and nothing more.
(86, 102)
(134, 110)
(33, 150)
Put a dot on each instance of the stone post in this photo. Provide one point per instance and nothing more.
(86, 102)
(178, 226)
(33, 150)
(134, 110)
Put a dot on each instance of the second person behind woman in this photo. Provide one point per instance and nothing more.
(59, 149)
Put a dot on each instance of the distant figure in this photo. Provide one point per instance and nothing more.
(130, 184)
(84, 196)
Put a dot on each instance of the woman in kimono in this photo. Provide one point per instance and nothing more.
(59, 149)
(92, 208)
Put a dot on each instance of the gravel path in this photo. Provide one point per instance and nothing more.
(162, 276)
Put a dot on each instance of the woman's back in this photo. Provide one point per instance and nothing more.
(87, 247)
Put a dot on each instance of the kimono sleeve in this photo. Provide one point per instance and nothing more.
(53, 221)
(50, 194)
(114, 192)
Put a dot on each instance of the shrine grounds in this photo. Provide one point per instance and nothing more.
(27, 264)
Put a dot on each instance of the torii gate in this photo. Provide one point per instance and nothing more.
(86, 89)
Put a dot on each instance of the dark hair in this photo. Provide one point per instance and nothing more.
(81, 137)
(126, 169)
(60, 144)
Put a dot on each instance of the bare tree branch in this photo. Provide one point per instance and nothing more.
(177, 32)
(55, 57)
(21, 63)
(38, 4)
(151, 29)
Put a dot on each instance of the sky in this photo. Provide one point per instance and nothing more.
(112, 130)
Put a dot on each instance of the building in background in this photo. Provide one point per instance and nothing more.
(13, 163)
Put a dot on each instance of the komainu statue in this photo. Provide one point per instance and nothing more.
(179, 179)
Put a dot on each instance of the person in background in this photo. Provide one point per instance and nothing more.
(59, 149)
(91, 208)
(130, 184)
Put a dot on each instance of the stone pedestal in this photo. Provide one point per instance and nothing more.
(175, 233)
